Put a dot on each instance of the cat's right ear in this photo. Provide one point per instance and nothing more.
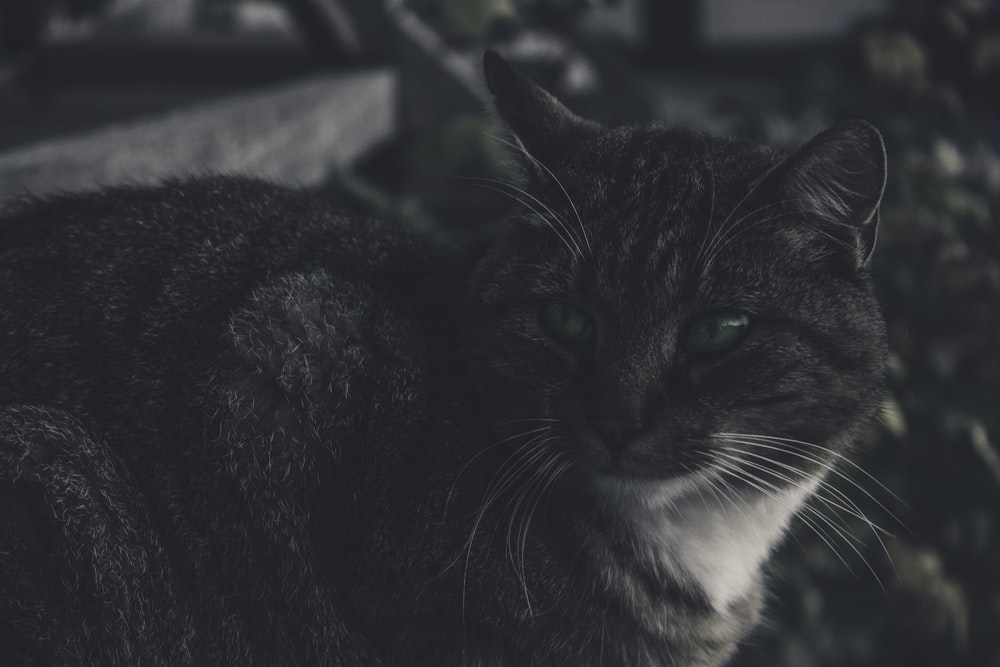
(541, 125)
(836, 180)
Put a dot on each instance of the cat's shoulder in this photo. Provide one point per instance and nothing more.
(178, 209)
(302, 295)
(195, 240)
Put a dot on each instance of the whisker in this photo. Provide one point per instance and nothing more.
(523, 420)
(698, 475)
(787, 449)
(506, 473)
(789, 480)
(725, 228)
(528, 463)
(737, 229)
(851, 508)
(752, 479)
(827, 540)
(814, 445)
(855, 511)
(563, 224)
(728, 234)
(562, 232)
(709, 483)
(826, 465)
(849, 541)
(727, 489)
(711, 215)
(745, 477)
(569, 199)
(451, 489)
(542, 482)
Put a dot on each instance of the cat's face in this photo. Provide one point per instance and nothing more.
(673, 306)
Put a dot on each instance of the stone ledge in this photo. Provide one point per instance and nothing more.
(292, 134)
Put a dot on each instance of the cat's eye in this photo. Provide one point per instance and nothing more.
(716, 333)
(567, 324)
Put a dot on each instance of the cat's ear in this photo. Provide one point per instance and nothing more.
(540, 123)
(836, 179)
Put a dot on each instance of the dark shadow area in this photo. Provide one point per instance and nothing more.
(910, 574)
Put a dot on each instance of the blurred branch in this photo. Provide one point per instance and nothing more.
(326, 27)
(23, 22)
(984, 449)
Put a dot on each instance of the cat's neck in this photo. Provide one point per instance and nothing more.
(714, 541)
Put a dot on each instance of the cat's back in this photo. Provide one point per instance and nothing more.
(215, 229)
(204, 347)
(98, 288)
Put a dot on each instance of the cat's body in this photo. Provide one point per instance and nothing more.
(237, 427)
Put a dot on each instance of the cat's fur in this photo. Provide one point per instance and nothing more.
(237, 427)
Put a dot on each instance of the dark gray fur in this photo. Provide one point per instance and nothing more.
(237, 427)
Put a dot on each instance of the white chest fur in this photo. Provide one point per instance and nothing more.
(717, 541)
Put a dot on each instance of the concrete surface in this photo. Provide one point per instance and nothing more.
(292, 133)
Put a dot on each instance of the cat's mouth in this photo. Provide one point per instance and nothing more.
(653, 457)
(713, 478)
(652, 494)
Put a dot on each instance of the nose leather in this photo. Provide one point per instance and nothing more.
(622, 388)
(617, 413)
(616, 432)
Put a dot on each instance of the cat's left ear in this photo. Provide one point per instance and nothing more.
(837, 179)
(540, 123)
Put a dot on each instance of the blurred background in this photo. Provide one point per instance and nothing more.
(380, 105)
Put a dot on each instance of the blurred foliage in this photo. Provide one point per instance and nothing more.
(444, 182)
(475, 20)
(931, 595)
(463, 18)
(22, 22)
(943, 55)
(939, 274)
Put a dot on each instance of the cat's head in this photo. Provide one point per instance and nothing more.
(672, 304)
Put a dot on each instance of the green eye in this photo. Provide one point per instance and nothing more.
(568, 325)
(717, 333)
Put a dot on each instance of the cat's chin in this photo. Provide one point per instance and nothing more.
(682, 524)
(644, 492)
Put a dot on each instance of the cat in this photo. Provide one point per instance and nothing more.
(238, 426)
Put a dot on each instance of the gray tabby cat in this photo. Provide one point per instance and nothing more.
(238, 427)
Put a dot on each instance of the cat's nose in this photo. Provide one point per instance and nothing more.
(617, 431)
(617, 408)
